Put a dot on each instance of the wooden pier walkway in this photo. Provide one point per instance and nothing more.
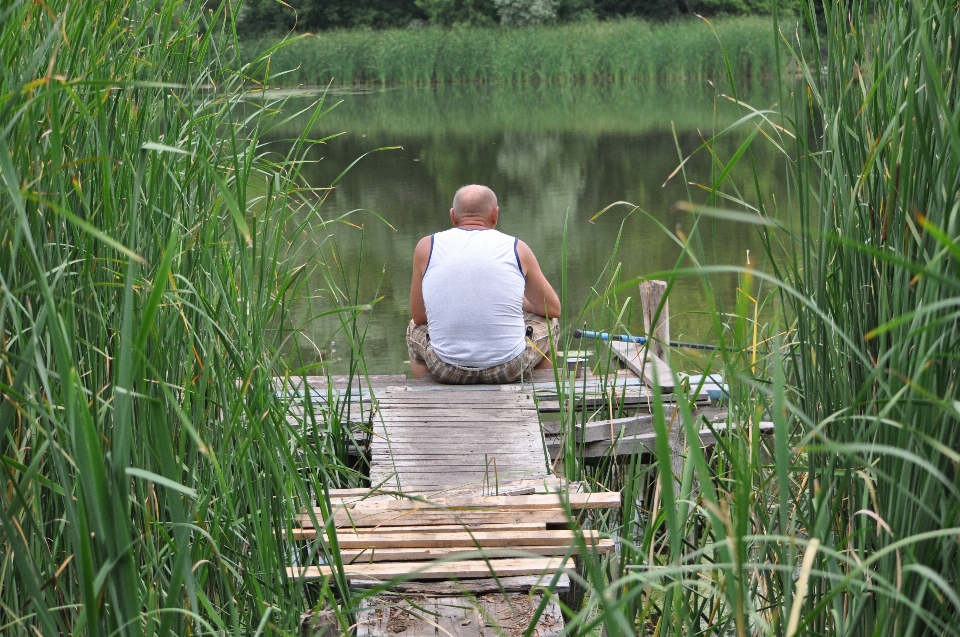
(457, 473)
(463, 512)
(431, 440)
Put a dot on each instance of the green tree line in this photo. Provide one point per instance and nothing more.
(260, 16)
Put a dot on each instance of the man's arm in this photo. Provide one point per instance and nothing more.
(421, 256)
(538, 295)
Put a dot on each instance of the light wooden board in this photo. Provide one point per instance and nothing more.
(421, 554)
(645, 442)
(633, 354)
(599, 500)
(618, 427)
(449, 528)
(347, 539)
(465, 569)
(545, 484)
(476, 586)
(423, 518)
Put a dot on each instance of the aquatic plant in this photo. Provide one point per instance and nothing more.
(148, 468)
(845, 519)
(622, 50)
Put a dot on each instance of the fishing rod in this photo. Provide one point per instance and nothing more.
(603, 336)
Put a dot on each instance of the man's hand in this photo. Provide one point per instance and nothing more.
(421, 257)
(538, 295)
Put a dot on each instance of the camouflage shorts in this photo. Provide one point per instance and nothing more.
(538, 346)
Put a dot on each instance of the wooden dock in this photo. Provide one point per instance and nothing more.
(463, 513)
(464, 517)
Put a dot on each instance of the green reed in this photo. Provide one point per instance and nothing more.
(623, 50)
(148, 468)
(844, 519)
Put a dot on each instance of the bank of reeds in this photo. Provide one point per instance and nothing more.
(147, 469)
(845, 519)
(622, 50)
(478, 111)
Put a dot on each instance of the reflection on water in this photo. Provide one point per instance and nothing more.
(555, 156)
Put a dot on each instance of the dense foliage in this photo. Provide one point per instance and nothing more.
(145, 460)
(620, 50)
(259, 16)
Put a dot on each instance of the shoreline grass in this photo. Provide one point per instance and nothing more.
(618, 51)
(147, 467)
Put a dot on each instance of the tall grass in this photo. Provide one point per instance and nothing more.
(845, 519)
(148, 469)
(622, 50)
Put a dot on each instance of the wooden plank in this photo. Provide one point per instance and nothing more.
(632, 355)
(414, 478)
(448, 528)
(645, 443)
(422, 441)
(465, 569)
(421, 518)
(422, 447)
(477, 586)
(598, 500)
(545, 484)
(422, 554)
(493, 400)
(347, 539)
(609, 430)
(631, 401)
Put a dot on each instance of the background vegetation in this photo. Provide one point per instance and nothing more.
(259, 16)
(624, 50)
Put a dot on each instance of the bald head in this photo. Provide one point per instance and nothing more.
(474, 201)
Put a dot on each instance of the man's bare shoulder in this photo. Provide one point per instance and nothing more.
(527, 258)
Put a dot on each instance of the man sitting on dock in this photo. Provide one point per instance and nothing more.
(483, 312)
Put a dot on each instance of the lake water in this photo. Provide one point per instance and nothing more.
(556, 156)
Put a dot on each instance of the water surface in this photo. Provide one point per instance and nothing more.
(555, 156)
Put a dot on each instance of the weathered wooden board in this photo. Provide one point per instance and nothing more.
(448, 528)
(347, 539)
(544, 484)
(558, 583)
(645, 442)
(464, 569)
(633, 356)
(598, 500)
(490, 615)
(422, 554)
(425, 518)
(433, 439)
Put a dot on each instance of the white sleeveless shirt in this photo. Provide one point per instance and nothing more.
(473, 291)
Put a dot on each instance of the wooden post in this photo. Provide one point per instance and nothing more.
(651, 293)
